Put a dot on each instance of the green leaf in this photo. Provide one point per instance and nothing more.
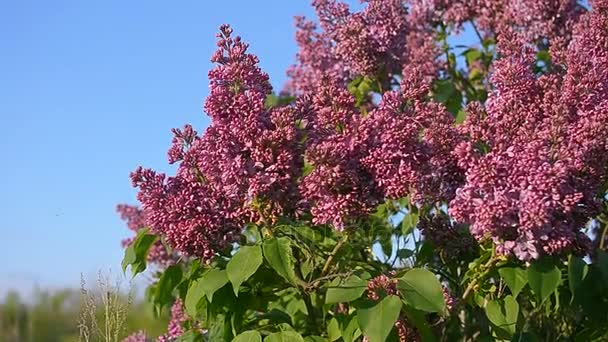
(284, 336)
(515, 277)
(460, 117)
(190, 336)
(503, 314)
(193, 297)
(243, 265)
(418, 318)
(544, 278)
(378, 321)
(340, 291)
(422, 290)
(137, 253)
(444, 89)
(212, 281)
(405, 253)
(350, 330)
(333, 330)
(170, 278)
(471, 55)
(577, 271)
(410, 221)
(277, 251)
(248, 336)
(315, 339)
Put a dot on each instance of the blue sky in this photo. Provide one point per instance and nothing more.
(89, 90)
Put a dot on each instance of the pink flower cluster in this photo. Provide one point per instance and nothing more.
(401, 147)
(175, 329)
(377, 41)
(452, 241)
(139, 336)
(538, 152)
(136, 220)
(535, 18)
(244, 167)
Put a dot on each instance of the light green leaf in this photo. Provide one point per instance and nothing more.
(378, 321)
(350, 330)
(248, 336)
(515, 277)
(193, 297)
(503, 314)
(333, 330)
(544, 278)
(577, 271)
(315, 339)
(277, 251)
(284, 336)
(421, 289)
(243, 265)
(344, 291)
(212, 281)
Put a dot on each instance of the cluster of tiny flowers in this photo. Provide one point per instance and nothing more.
(535, 18)
(538, 152)
(450, 300)
(382, 286)
(338, 187)
(378, 40)
(175, 329)
(452, 241)
(244, 167)
(402, 147)
(408, 144)
(139, 336)
(136, 220)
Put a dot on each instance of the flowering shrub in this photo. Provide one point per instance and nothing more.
(398, 189)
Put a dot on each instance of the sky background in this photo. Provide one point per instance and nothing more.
(89, 90)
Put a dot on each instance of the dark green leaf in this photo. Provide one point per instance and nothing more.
(422, 290)
(577, 271)
(243, 265)
(277, 251)
(405, 253)
(190, 336)
(248, 336)
(544, 278)
(137, 253)
(515, 277)
(378, 321)
(418, 318)
(170, 278)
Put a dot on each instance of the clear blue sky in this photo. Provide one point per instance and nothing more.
(89, 90)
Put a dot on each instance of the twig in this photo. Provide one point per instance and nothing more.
(331, 257)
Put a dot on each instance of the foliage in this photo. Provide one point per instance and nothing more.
(400, 189)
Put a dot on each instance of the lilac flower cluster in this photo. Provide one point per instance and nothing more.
(407, 145)
(139, 336)
(538, 151)
(178, 317)
(136, 220)
(244, 167)
(535, 18)
(379, 40)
